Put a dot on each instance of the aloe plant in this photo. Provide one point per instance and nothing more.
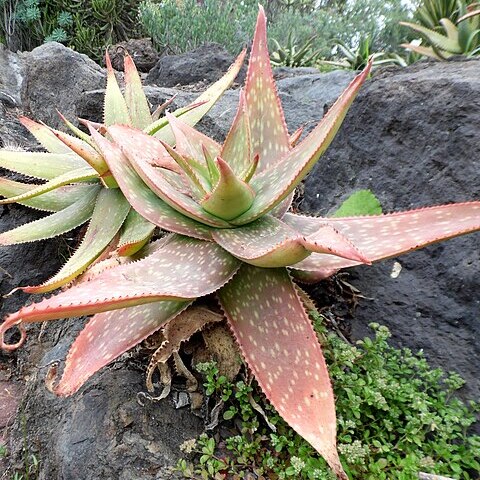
(225, 207)
(358, 59)
(79, 187)
(460, 38)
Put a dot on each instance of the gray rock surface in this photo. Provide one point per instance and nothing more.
(56, 77)
(12, 73)
(206, 63)
(412, 137)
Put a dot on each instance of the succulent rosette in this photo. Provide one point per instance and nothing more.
(78, 187)
(226, 210)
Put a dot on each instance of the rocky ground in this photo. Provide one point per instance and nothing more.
(411, 136)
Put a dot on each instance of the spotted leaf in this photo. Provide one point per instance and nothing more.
(268, 129)
(107, 335)
(277, 182)
(237, 148)
(385, 236)
(142, 199)
(141, 150)
(268, 242)
(59, 222)
(280, 346)
(183, 269)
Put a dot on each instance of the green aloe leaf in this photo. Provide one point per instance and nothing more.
(56, 224)
(53, 201)
(110, 211)
(136, 232)
(45, 166)
(230, 197)
(79, 175)
(203, 104)
(135, 98)
(44, 136)
(115, 108)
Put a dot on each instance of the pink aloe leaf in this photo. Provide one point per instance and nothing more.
(73, 176)
(284, 206)
(115, 107)
(108, 335)
(237, 149)
(384, 236)
(182, 269)
(53, 201)
(141, 198)
(135, 98)
(141, 150)
(111, 209)
(277, 182)
(280, 346)
(190, 142)
(204, 102)
(136, 231)
(268, 242)
(45, 137)
(268, 129)
(75, 130)
(55, 224)
(45, 166)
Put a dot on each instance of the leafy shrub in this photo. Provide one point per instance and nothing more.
(181, 26)
(397, 417)
(87, 26)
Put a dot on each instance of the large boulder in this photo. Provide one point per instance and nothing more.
(412, 137)
(206, 64)
(56, 78)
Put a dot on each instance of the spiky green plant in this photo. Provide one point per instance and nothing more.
(79, 187)
(461, 37)
(231, 234)
(293, 54)
(357, 59)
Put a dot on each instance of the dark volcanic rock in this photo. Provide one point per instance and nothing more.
(140, 49)
(206, 63)
(56, 79)
(412, 137)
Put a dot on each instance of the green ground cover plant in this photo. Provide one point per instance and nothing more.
(397, 417)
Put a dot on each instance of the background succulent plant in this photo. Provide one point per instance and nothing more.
(461, 34)
(225, 207)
